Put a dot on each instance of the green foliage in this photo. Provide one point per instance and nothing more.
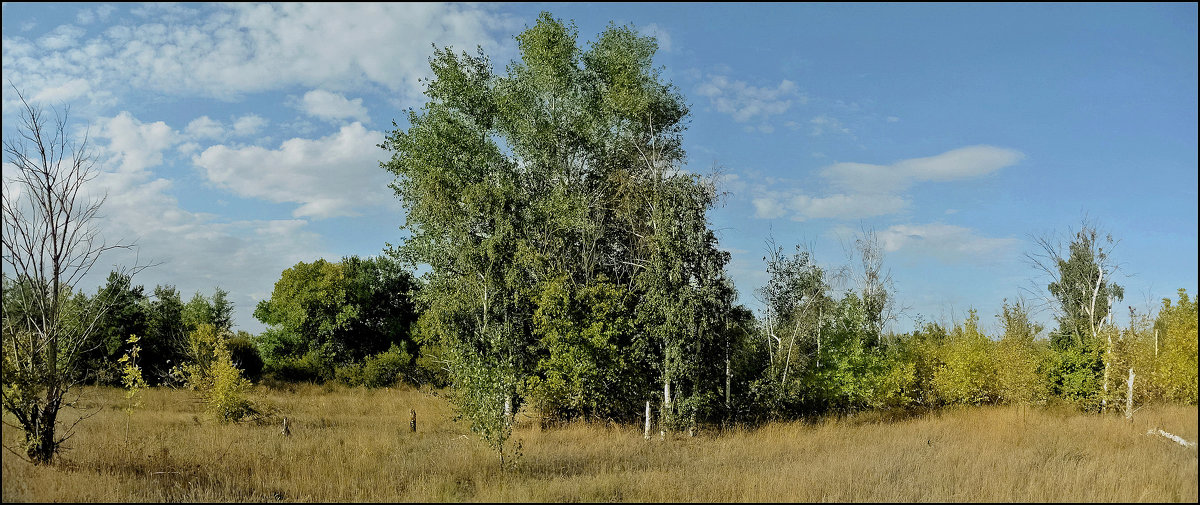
(1177, 362)
(1020, 358)
(131, 376)
(344, 311)
(313, 366)
(967, 374)
(381, 370)
(589, 367)
(125, 315)
(212, 373)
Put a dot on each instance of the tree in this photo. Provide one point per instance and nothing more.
(337, 313)
(542, 186)
(126, 315)
(1177, 354)
(1082, 292)
(165, 340)
(967, 374)
(796, 300)
(1019, 356)
(50, 242)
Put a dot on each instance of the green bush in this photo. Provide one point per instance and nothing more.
(313, 366)
(381, 370)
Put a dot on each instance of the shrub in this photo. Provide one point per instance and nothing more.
(381, 370)
(313, 366)
(213, 374)
(245, 355)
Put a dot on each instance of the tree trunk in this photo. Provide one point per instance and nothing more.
(647, 435)
(666, 410)
(1129, 399)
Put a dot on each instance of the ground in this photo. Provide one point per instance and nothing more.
(355, 445)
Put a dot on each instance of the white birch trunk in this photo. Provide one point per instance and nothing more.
(647, 435)
(1129, 399)
(666, 410)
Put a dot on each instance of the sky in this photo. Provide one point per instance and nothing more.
(234, 141)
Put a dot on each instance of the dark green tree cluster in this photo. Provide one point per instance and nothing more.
(347, 320)
(161, 321)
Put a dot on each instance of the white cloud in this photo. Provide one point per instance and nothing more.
(962, 163)
(660, 35)
(945, 241)
(197, 251)
(972, 161)
(248, 125)
(64, 92)
(329, 176)
(61, 37)
(226, 50)
(843, 206)
(332, 106)
(204, 127)
(824, 123)
(861, 190)
(101, 13)
(768, 208)
(138, 146)
(745, 102)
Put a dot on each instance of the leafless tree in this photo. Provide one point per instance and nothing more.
(50, 243)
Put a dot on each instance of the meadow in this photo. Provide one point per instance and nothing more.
(354, 444)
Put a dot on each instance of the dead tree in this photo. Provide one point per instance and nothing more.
(50, 243)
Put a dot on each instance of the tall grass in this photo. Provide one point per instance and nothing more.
(355, 445)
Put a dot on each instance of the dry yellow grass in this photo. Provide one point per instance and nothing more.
(354, 445)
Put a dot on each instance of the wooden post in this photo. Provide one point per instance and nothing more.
(287, 432)
(412, 420)
(1129, 399)
(647, 419)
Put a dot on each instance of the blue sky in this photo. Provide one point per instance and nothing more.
(237, 140)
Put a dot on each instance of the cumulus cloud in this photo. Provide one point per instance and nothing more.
(227, 50)
(100, 13)
(61, 37)
(205, 127)
(332, 106)
(136, 146)
(745, 102)
(248, 125)
(194, 251)
(326, 176)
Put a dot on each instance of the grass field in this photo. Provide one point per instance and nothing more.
(355, 445)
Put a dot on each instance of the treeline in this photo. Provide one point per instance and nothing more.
(164, 324)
